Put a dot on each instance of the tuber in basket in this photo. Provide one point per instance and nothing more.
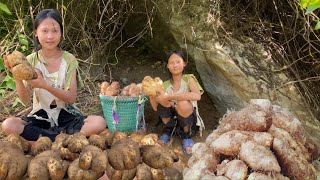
(123, 113)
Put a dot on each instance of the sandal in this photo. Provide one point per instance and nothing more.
(165, 138)
(187, 145)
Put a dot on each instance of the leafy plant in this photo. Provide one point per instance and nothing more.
(17, 41)
(310, 6)
(4, 8)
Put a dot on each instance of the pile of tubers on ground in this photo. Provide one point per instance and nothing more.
(260, 141)
(116, 155)
(20, 67)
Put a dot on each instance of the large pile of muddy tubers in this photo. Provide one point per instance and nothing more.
(260, 141)
(115, 155)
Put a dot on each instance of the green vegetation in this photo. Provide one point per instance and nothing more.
(311, 6)
(12, 40)
(92, 32)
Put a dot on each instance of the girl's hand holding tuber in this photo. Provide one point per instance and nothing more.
(164, 100)
(39, 82)
(17, 63)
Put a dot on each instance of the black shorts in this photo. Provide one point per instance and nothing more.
(68, 123)
(170, 112)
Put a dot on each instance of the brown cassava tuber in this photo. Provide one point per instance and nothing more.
(117, 136)
(13, 162)
(143, 172)
(47, 165)
(108, 136)
(21, 68)
(133, 90)
(42, 144)
(258, 157)
(124, 155)
(112, 89)
(152, 86)
(146, 172)
(98, 141)
(234, 169)
(91, 164)
(76, 173)
(120, 174)
(76, 142)
(93, 158)
(136, 137)
(149, 139)
(16, 139)
(60, 146)
(158, 157)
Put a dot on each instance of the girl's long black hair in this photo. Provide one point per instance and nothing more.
(42, 15)
(179, 53)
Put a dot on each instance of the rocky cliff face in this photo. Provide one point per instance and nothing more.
(232, 72)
